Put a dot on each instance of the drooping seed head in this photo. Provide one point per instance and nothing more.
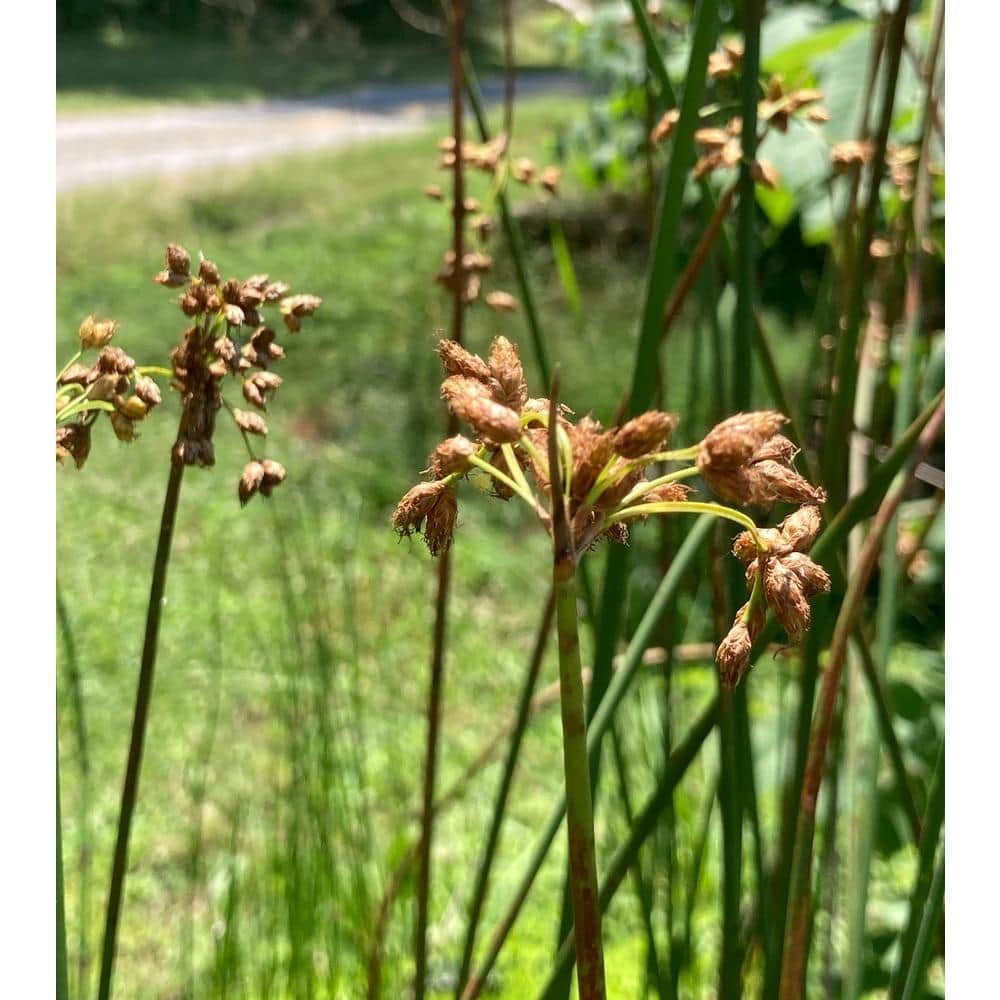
(73, 441)
(733, 654)
(252, 423)
(250, 480)
(96, 333)
(773, 481)
(786, 597)
(814, 579)
(501, 301)
(147, 390)
(731, 443)
(178, 259)
(415, 505)
(440, 527)
(274, 475)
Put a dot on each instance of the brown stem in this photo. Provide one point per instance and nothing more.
(793, 970)
(143, 695)
(444, 565)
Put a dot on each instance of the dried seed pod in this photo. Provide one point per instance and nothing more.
(250, 480)
(171, 279)
(814, 579)
(252, 423)
(732, 443)
(786, 597)
(76, 374)
(132, 407)
(415, 505)
(178, 259)
(851, 153)
(234, 314)
(549, 179)
(73, 441)
(472, 402)
(300, 305)
(772, 481)
(95, 333)
(505, 366)
(501, 301)
(712, 138)
(440, 527)
(274, 475)
(800, 528)
(644, 434)
(776, 449)
(733, 654)
(208, 271)
(123, 426)
(523, 170)
(434, 192)
(617, 533)
(662, 129)
(458, 361)
(451, 456)
(765, 173)
(115, 360)
(745, 548)
(593, 448)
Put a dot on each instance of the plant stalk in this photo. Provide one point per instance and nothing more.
(143, 695)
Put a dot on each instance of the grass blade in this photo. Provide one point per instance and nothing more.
(62, 962)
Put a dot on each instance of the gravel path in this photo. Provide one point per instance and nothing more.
(108, 148)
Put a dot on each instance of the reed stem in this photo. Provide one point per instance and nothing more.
(143, 695)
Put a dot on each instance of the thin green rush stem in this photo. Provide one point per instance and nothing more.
(599, 722)
(642, 828)
(62, 960)
(692, 507)
(796, 951)
(579, 801)
(501, 477)
(436, 684)
(503, 791)
(907, 977)
(516, 470)
(144, 692)
(671, 477)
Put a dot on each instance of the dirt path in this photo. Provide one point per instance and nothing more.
(107, 148)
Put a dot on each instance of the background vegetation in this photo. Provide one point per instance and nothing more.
(281, 783)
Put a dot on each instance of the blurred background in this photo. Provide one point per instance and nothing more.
(281, 784)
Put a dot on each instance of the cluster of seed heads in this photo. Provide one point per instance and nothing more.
(605, 484)
(465, 277)
(111, 384)
(722, 144)
(228, 337)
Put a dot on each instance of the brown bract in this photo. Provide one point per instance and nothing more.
(472, 402)
(644, 434)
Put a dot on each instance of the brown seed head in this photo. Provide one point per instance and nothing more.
(451, 456)
(124, 427)
(458, 361)
(434, 192)
(644, 434)
(851, 153)
(731, 443)
(440, 527)
(776, 449)
(208, 271)
(253, 476)
(549, 179)
(73, 441)
(662, 129)
(115, 360)
(593, 447)
(76, 374)
(733, 654)
(252, 423)
(415, 505)
(274, 475)
(501, 301)
(800, 528)
(786, 596)
(814, 579)
(505, 367)
(745, 548)
(132, 407)
(472, 402)
(94, 333)
(772, 481)
(668, 493)
(766, 173)
(523, 170)
(178, 259)
(300, 305)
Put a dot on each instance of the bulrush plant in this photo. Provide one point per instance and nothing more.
(226, 339)
(588, 484)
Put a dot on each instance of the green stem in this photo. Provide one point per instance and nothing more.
(62, 963)
(907, 979)
(599, 722)
(579, 807)
(503, 792)
(691, 507)
(143, 695)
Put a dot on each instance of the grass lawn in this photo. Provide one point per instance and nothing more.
(283, 761)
